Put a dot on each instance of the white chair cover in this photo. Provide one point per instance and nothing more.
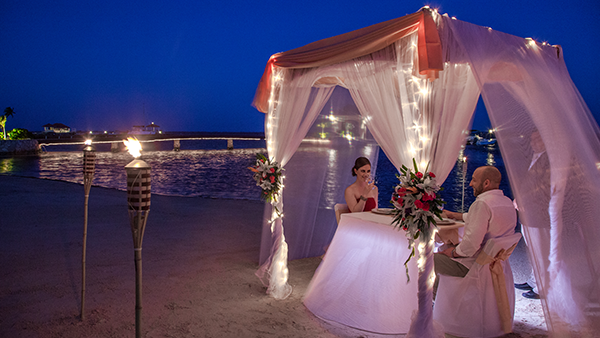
(467, 307)
(340, 208)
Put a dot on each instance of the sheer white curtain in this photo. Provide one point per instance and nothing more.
(293, 107)
(550, 145)
(409, 115)
(317, 175)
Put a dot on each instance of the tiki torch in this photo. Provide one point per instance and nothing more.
(89, 165)
(138, 200)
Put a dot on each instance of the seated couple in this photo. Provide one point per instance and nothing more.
(362, 195)
(492, 215)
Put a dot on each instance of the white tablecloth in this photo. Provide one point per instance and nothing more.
(362, 282)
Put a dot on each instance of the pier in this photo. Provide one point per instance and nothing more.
(115, 140)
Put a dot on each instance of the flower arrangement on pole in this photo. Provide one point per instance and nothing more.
(274, 273)
(416, 206)
(267, 175)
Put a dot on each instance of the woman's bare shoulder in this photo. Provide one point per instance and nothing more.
(351, 189)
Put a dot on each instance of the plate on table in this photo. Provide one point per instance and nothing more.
(445, 221)
(382, 211)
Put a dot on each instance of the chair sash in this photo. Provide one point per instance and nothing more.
(499, 283)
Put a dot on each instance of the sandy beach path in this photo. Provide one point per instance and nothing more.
(199, 258)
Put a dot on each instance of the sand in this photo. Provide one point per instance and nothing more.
(199, 258)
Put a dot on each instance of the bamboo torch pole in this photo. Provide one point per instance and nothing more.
(138, 200)
(89, 165)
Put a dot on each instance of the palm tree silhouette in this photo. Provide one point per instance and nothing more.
(8, 111)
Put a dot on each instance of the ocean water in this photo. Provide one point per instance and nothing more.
(206, 168)
(452, 189)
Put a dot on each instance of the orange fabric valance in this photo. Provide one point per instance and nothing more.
(355, 44)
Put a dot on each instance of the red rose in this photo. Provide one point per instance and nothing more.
(432, 175)
(421, 205)
(401, 191)
(272, 170)
(428, 197)
(419, 174)
(272, 179)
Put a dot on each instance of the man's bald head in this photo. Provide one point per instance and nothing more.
(485, 178)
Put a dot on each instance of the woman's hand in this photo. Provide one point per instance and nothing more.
(368, 188)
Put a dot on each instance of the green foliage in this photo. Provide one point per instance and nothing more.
(8, 111)
(19, 134)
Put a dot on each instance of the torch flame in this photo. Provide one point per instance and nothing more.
(134, 147)
(88, 142)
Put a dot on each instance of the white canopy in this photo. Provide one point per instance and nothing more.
(415, 82)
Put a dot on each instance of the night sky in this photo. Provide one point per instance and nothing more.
(195, 65)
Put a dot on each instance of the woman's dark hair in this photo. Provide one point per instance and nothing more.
(359, 163)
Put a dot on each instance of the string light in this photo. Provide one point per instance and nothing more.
(531, 43)
(412, 150)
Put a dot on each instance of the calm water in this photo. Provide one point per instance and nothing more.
(205, 168)
(453, 186)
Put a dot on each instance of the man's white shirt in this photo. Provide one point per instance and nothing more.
(492, 215)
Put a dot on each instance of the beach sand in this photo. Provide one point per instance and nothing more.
(199, 258)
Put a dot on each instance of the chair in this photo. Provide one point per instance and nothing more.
(469, 306)
(340, 208)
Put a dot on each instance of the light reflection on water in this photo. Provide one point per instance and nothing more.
(220, 173)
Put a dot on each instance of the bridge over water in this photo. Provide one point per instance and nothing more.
(115, 140)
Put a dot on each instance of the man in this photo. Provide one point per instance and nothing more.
(536, 199)
(492, 215)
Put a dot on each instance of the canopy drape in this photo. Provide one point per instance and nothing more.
(550, 145)
(416, 81)
(354, 44)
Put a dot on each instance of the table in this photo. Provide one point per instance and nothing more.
(362, 281)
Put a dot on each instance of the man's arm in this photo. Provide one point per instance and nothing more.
(476, 226)
(452, 215)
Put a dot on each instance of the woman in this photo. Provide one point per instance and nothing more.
(361, 195)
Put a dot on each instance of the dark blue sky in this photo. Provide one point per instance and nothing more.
(194, 65)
